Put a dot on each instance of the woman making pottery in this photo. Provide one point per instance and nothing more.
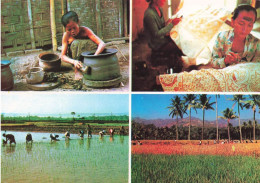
(157, 30)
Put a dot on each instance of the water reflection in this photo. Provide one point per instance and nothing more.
(111, 139)
(88, 143)
(121, 138)
(28, 148)
(81, 142)
(9, 149)
(67, 143)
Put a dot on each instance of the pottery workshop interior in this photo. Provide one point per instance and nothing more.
(31, 38)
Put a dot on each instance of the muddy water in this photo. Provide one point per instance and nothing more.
(75, 160)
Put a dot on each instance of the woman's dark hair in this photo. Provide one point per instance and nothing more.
(71, 15)
(149, 1)
(243, 7)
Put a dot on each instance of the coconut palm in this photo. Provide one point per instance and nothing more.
(228, 114)
(176, 109)
(217, 96)
(238, 99)
(190, 101)
(204, 104)
(73, 114)
(253, 103)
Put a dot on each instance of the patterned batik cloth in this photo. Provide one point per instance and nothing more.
(243, 77)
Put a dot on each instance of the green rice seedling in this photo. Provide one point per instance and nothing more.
(201, 168)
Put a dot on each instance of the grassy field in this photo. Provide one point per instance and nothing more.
(194, 168)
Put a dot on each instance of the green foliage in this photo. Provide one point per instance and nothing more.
(82, 119)
(175, 168)
(151, 132)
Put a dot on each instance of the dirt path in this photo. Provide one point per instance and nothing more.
(20, 65)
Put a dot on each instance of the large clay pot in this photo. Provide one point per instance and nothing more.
(49, 61)
(7, 80)
(104, 66)
(35, 75)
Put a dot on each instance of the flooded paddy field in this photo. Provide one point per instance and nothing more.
(76, 160)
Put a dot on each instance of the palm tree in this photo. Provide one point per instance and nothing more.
(176, 109)
(73, 114)
(217, 96)
(228, 114)
(190, 101)
(250, 127)
(204, 104)
(238, 99)
(253, 103)
(245, 128)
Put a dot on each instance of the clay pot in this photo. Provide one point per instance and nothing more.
(7, 80)
(35, 75)
(49, 61)
(104, 66)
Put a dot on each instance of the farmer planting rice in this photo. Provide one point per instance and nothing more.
(10, 138)
(29, 138)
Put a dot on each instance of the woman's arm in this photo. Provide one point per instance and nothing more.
(218, 59)
(151, 25)
(97, 40)
(64, 57)
(257, 52)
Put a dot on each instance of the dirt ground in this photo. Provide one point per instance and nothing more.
(20, 65)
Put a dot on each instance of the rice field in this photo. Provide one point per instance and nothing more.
(194, 168)
(186, 161)
(88, 160)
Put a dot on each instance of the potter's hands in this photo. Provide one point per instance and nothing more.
(232, 58)
(77, 64)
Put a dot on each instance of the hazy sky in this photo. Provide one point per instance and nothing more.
(60, 102)
(154, 106)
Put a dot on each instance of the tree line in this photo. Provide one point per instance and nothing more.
(179, 107)
(78, 118)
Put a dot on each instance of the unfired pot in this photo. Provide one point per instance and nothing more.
(104, 66)
(35, 75)
(49, 61)
(7, 80)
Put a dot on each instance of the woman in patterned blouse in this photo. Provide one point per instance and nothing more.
(237, 45)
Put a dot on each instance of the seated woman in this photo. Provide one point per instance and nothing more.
(74, 31)
(237, 45)
(157, 30)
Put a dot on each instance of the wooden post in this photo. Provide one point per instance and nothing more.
(53, 25)
(68, 5)
(125, 18)
(121, 18)
(98, 19)
(62, 12)
(253, 3)
(31, 23)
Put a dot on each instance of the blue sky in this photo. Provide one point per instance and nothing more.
(60, 102)
(154, 106)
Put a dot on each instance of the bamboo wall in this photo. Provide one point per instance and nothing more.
(104, 17)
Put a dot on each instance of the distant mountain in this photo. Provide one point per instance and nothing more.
(185, 122)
